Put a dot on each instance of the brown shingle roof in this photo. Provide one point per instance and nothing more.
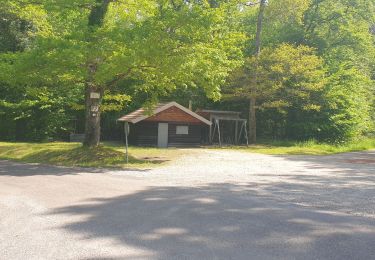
(138, 113)
(141, 114)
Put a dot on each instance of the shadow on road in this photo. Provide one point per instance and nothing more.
(11, 168)
(222, 221)
(343, 182)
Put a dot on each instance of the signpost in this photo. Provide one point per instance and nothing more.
(126, 130)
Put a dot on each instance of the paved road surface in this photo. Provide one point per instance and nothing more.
(207, 205)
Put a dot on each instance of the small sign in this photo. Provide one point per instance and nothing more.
(94, 95)
(94, 108)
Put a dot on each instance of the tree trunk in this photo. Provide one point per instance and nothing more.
(252, 121)
(253, 94)
(93, 93)
(92, 116)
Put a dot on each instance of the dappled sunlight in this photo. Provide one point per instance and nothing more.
(219, 221)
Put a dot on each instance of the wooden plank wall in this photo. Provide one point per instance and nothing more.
(144, 134)
(194, 137)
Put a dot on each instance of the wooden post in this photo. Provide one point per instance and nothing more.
(210, 131)
(236, 132)
(246, 135)
(126, 131)
(218, 130)
(213, 132)
(239, 136)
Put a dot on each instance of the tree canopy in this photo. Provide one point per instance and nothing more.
(314, 73)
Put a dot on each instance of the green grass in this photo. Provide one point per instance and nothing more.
(307, 148)
(113, 154)
(73, 154)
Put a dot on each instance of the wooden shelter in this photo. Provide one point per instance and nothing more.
(167, 125)
(226, 126)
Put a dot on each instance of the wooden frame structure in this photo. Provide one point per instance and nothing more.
(237, 135)
(217, 119)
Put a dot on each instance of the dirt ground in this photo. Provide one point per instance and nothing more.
(209, 204)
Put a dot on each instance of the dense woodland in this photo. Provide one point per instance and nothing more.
(309, 73)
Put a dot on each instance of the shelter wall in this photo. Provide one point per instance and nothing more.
(146, 134)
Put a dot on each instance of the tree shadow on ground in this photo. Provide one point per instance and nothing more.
(100, 156)
(16, 169)
(222, 221)
(345, 182)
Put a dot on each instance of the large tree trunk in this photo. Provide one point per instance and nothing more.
(92, 116)
(253, 94)
(93, 93)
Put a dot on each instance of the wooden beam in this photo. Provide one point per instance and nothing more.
(229, 118)
(241, 129)
(236, 133)
(126, 131)
(218, 130)
(213, 132)
(210, 133)
(246, 136)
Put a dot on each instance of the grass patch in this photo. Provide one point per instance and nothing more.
(113, 154)
(307, 148)
(73, 154)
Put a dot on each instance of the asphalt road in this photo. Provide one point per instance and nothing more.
(207, 205)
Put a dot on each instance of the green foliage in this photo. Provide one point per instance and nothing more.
(161, 46)
(315, 74)
(12, 32)
(288, 76)
(158, 46)
(290, 85)
(293, 78)
(322, 88)
(347, 105)
(341, 32)
(37, 115)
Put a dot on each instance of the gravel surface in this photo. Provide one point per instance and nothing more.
(209, 204)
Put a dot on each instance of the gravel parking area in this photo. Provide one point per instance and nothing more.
(209, 204)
